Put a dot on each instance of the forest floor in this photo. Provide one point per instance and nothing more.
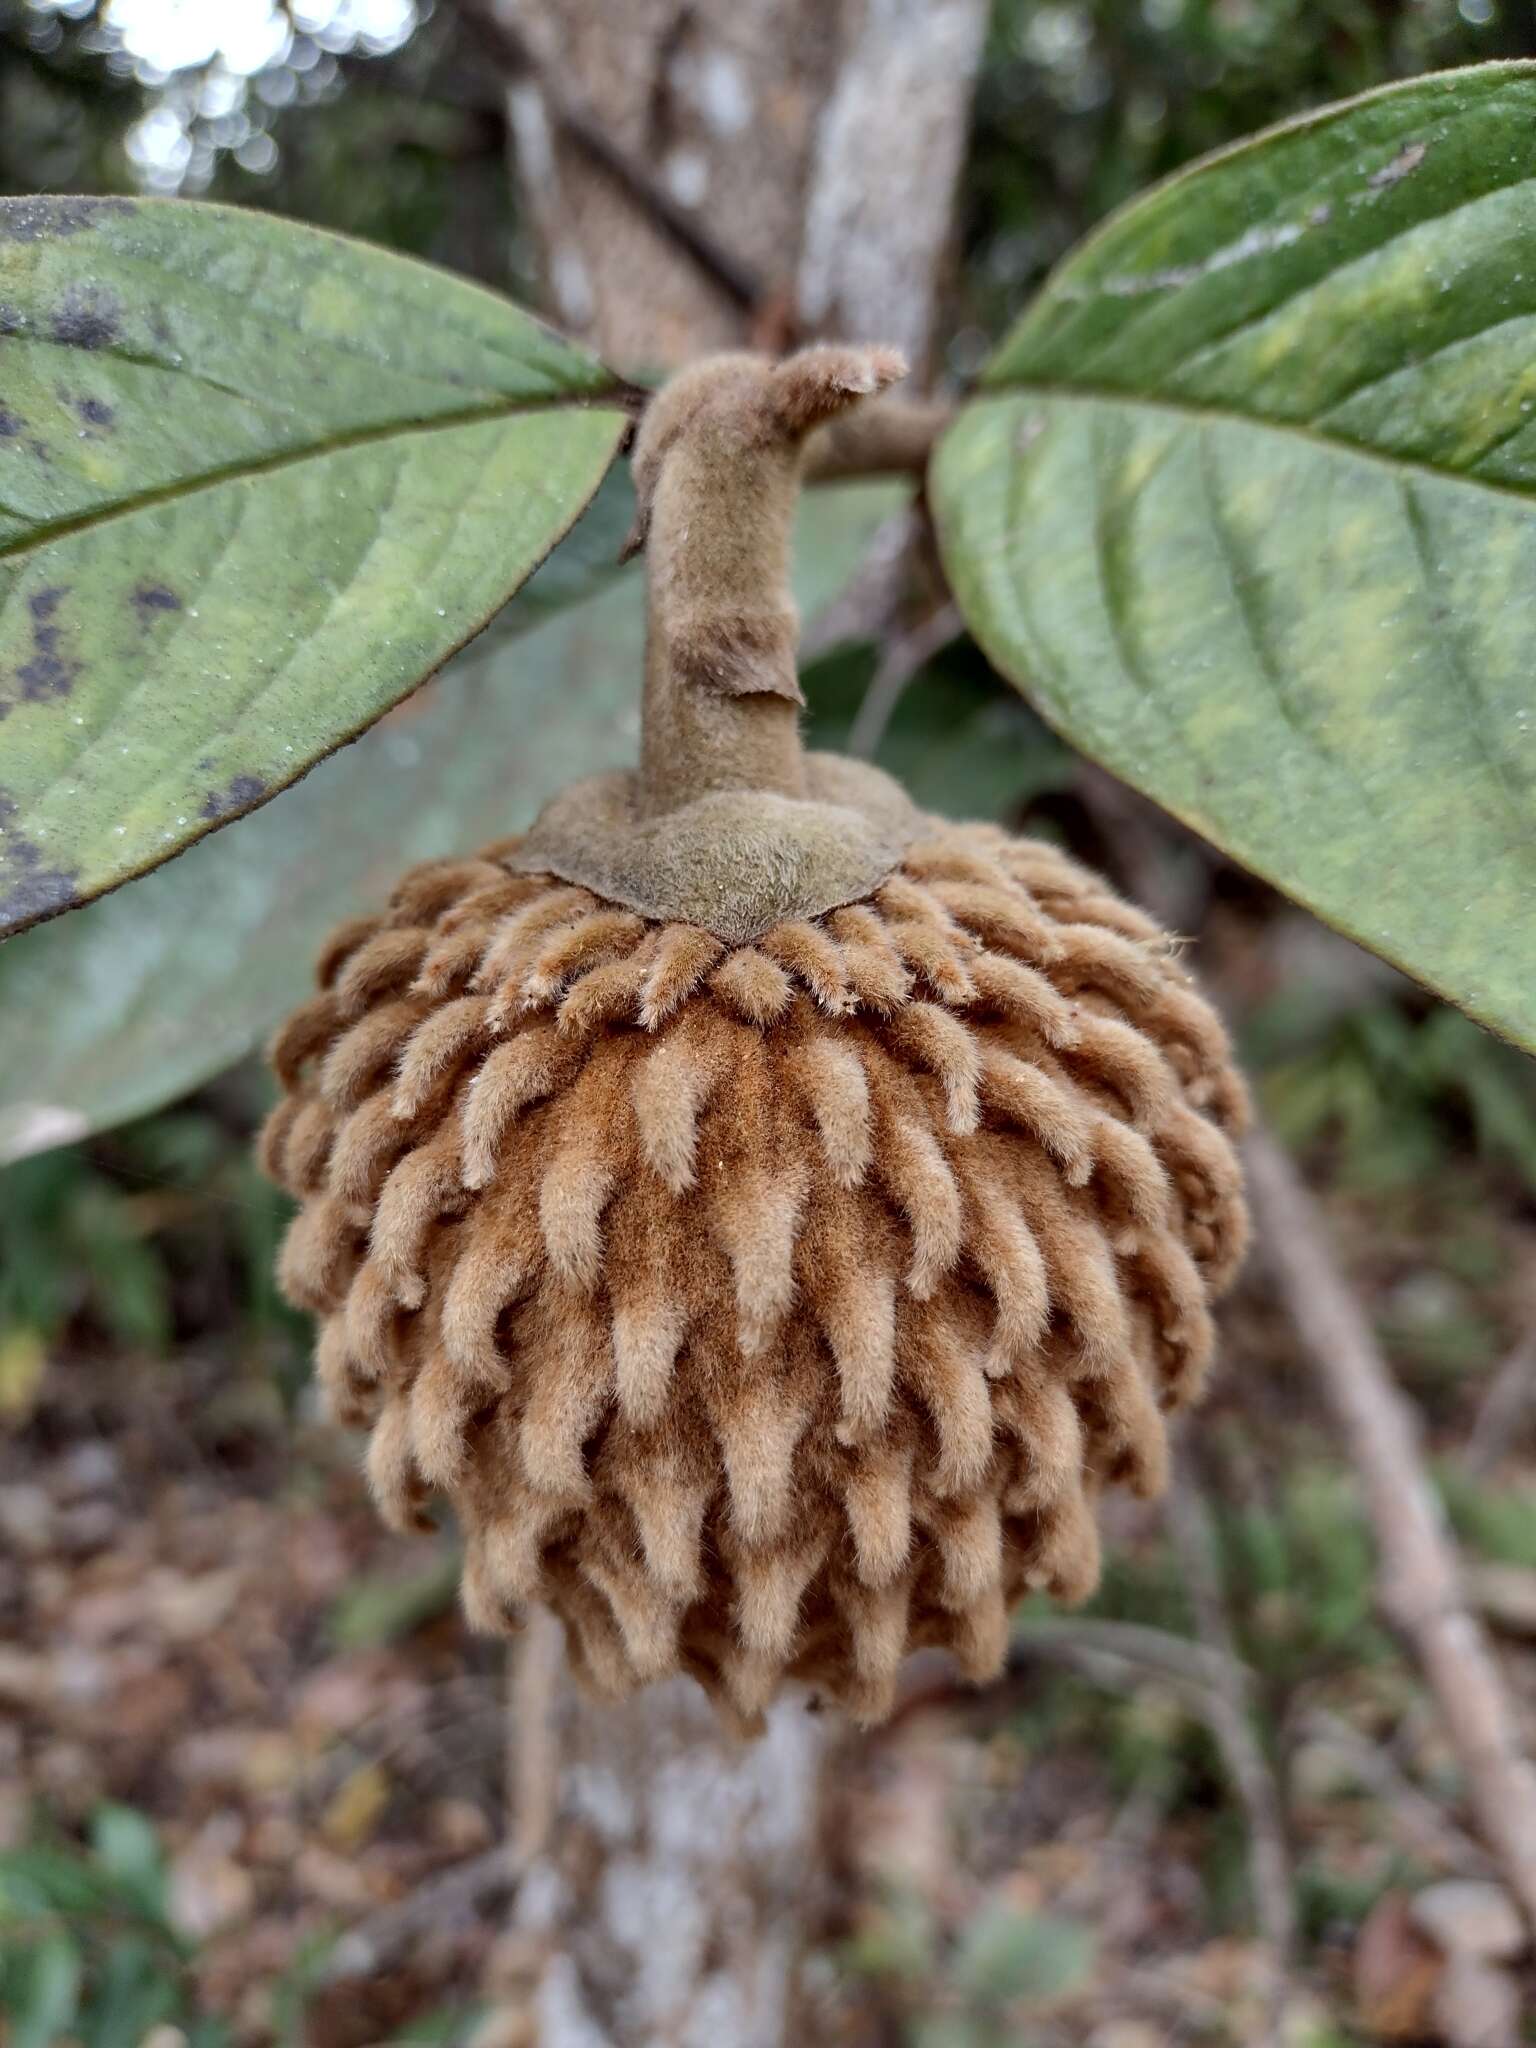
(205, 1625)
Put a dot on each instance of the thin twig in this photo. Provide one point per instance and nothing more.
(1269, 1860)
(1130, 1642)
(894, 436)
(1419, 1817)
(533, 1750)
(865, 607)
(518, 59)
(456, 1894)
(1118, 1653)
(1420, 1587)
(1509, 1399)
(904, 655)
(1168, 870)
(468, 1889)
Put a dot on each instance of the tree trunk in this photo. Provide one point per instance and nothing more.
(812, 146)
(714, 105)
(703, 174)
(667, 1900)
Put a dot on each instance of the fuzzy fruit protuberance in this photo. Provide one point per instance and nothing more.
(717, 472)
(767, 1310)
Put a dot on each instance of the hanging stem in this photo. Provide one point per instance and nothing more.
(717, 467)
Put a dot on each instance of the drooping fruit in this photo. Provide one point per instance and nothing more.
(769, 1215)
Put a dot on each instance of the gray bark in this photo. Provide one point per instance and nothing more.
(888, 152)
(716, 101)
(818, 142)
(667, 1906)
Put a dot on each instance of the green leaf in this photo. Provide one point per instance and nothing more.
(256, 482)
(1247, 506)
(1006, 1954)
(48, 1994)
(951, 2030)
(444, 2027)
(38, 1881)
(127, 1849)
(384, 1607)
(136, 1989)
(130, 1002)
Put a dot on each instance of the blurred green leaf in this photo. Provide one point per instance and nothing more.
(168, 1218)
(130, 1002)
(134, 1992)
(895, 1938)
(85, 1936)
(960, 742)
(291, 1992)
(23, 1366)
(46, 1996)
(1006, 1954)
(1247, 506)
(1499, 1522)
(126, 1848)
(256, 482)
(384, 1607)
(37, 1881)
(951, 2030)
(1396, 1094)
(438, 2029)
(1306, 1568)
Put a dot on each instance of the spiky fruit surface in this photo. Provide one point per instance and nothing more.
(767, 1310)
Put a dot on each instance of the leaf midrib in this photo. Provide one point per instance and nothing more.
(1193, 412)
(290, 458)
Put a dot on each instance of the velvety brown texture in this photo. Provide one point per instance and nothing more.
(727, 822)
(737, 861)
(767, 1310)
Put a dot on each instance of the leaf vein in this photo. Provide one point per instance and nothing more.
(1240, 579)
(1513, 798)
(315, 451)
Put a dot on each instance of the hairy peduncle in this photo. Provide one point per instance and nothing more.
(717, 470)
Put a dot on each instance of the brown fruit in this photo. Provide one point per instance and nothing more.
(771, 1299)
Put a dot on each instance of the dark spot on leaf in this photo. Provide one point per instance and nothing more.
(50, 672)
(155, 597)
(37, 893)
(29, 889)
(239, 796)
(12, 320)
(40, 450)
(95, 412)
(10, 424)
(40, 220)
(46, 675)
(88, 316)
